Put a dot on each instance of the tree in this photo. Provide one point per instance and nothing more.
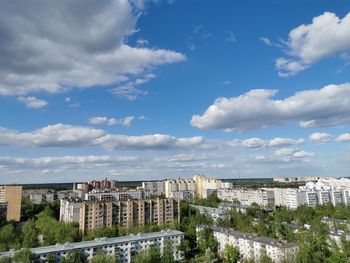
(150, 255)
(168, 253)
(231, 254)
(8, 237)
(265, 259)
(103, 258)
(206, 240)
(30, 234)
(337, 257)
(24, 256)
(75, 256)
(50, 258)
(5, 260)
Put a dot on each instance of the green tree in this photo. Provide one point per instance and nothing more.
(231, 254)
(75, 256)
(5, 260)
(103, 258)
(265, 259)
(24, 256)
(337, 257)
(30, 234)
(206, 240)
(8, 237)
(168, 253)
(150, 255)
(51, 258)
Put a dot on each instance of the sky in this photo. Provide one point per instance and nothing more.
(153, 89)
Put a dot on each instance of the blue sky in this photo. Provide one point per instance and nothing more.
(153, 89)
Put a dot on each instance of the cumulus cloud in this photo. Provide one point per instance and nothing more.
(56, 46)
(61, 135)
(33, 102)
(325, 36)
(343, 137)
(320, 137)
(253, 143)
(292, 153)
(257, 109)
(282, 142)
(112, 121)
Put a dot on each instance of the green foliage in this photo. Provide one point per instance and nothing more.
(206, 240)
(168, 253)
(5, 260)
(24, 256)
(265, 259)
(75, 256)
(103, 258)
(212, 200)
(337, 257)
(231, 254)
(30, 234)
(150, 255)
(9, 237)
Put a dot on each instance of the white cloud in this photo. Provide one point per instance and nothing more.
(33, 102)
(343, 137)
(128, 92)
(325, 36)
(60, 135)
(282, 142)
(256, 109)
(226, 82)
(54, 47)
(231, 38)
(292, 153)
(268, 42)
(253, 143)
(112, 121)
(320, 137)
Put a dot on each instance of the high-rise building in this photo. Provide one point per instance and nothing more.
(248, 196)
(11, 198)
(128, 213)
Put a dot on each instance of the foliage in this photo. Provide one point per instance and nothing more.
(30, 234)
(206, 240)
(231, 254)
(150, 255)
(168, 252)
(103, 258)
(212, 200)
(75, 256)
(24, 256)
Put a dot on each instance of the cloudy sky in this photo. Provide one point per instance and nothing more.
(142, 89)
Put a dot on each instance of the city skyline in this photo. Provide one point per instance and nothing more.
(147, 90)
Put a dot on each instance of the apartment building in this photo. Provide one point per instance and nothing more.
(175, 185)
(125, 247)
(293, 198)
(155, 188)
(92, 215)
(186, 195)
(212, 212)
(251, 246)
(248, 196)
(11, 200)
(70, 210)
(205, 185)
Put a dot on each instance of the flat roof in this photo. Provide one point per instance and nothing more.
(264, 240)
(102, 241)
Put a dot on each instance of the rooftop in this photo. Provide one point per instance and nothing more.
(99, 241)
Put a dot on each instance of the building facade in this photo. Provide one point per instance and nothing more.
(186, 195)
(11, 199)
(248, 196)
(92, 215)
(253, 247)
(125, 247)
(115, 196)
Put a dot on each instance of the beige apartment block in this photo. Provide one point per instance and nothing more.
(127, 213)
(11, 195)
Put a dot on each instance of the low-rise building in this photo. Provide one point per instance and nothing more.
(212, 212)
(125, 247)
(337, 236)
(253, 247)
(154, 188)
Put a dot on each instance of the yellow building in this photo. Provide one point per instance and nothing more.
(11, 195)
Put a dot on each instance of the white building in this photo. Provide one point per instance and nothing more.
(175, 185)
(248, 196)
(70, 210)
(125, 247)
(205, 185)
(212, 212)
(251, 246)
(338, 183)
(337, 235)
